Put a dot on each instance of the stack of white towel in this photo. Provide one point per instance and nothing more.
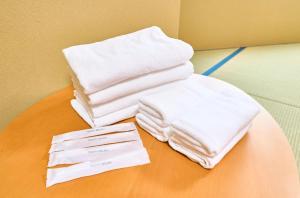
(111, 76)
(203, 118)
(150, 73)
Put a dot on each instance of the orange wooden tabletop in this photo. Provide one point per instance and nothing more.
(260, 165)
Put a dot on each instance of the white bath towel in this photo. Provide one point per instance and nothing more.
(103, 64)
(104, 120)
(180, 144)
(137, 84)
(124, 102)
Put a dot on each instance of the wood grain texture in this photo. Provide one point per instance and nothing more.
(260, 165)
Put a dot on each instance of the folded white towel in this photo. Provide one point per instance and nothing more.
(199, 99)
(203, 118)
(104, 120)
(168, 105)
(124, 102)
(178, 143)
(103, 64)
(160, 133)
(157, 111)
(212, 124)
(137, 84)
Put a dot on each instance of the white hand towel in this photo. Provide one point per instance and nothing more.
(198, 92)
(212, 124)
(178, 144)
(103, 64)
(157, 111)
(104, 120)
(135, 85)
(168, 105)
(154, 119)
(160, 133)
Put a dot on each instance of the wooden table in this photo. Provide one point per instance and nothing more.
(261, 165)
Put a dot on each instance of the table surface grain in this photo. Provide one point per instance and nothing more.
(260, 165)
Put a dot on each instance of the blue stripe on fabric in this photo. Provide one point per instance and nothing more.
(222, 62)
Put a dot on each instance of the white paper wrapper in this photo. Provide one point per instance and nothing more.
(95, 153)
(95, 141)
(59, 175)
(93, 132)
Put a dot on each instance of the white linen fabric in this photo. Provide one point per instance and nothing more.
(103, 64)
(135, 85)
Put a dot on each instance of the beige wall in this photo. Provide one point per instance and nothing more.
(210, 24)
(33, 33)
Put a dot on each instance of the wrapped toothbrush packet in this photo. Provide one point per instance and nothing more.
(93, 151)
